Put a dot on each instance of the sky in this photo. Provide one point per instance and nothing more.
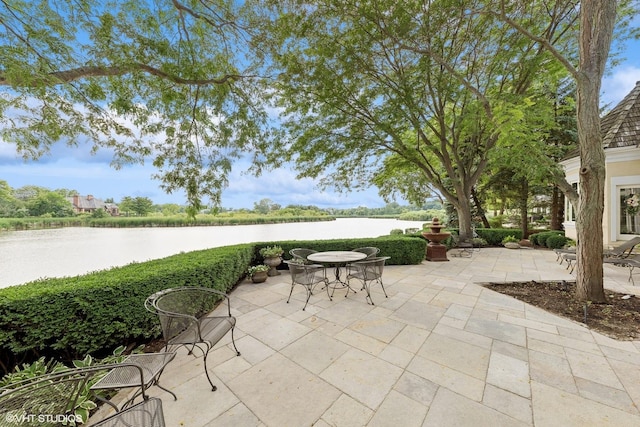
(76, 169)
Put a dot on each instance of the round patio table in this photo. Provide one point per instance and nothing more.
(337, 259)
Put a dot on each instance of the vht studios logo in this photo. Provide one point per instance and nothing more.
(42, 418)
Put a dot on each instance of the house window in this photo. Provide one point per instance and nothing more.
(630, 210)
(568, 207)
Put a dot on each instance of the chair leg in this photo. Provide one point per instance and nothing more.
(308, 288)
(383, 290)
(365, 286)
(206, 371)
(290, 292)
(233, 341)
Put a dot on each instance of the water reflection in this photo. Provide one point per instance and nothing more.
(29, 255)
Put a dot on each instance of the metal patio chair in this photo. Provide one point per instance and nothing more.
(370, 251)
(188, 319)
(301, 253)
(615, 255)
(147, 413)
(307, 275)
(368, 271)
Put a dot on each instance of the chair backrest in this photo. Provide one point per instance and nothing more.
(178, 309)
(147, 413)
(49, 399)
(301, 253)
(305, 274)
(369, 251)
(626, 248)
(372, 268)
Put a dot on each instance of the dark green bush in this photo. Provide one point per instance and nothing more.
(541, 238)
(556, 241)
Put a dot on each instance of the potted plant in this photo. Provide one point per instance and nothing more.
(272, 258)
(510, 242)
(258, 273)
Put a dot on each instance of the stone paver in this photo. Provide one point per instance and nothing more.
(440, 351)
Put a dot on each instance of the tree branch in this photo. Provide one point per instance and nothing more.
(61, 77)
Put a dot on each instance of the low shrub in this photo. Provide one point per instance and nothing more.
(540, 239)
(556, 241)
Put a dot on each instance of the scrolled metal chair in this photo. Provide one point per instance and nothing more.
(368, 271)
(301, 253)
(307, 275)
(370, 251)
(188, 319)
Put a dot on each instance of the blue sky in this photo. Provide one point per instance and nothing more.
(76, 169)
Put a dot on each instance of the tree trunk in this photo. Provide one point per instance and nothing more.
(464, 218)
(557, 209)
(597, 18)
(524, 208)
(478, 204)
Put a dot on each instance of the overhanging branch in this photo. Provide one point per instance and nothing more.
(61, 77)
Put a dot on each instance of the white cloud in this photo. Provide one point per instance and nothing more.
(619, 84)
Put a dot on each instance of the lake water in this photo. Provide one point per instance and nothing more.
(34, 254)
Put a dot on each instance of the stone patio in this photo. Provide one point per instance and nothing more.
(440, 351)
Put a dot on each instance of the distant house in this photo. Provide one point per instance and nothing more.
(621, 140)
(89, 204)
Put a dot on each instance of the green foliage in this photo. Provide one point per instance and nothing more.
(140, 206)
(257, 269)
(396, 231)
(496, 221)
(170, 85)
(271, 251)
(426, 215)
(99, 213)
(478, 242)
(494, 236)
(540, 239)
(556, 241)
(509, 239)
(86, 399)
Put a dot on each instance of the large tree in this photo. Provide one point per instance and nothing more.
(424, 82)
(597, 23)
(163, 81)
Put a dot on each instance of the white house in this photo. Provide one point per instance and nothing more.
(621, 140)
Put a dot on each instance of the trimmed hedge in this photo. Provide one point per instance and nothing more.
(67, 318)
(403, 250)
(540, 239)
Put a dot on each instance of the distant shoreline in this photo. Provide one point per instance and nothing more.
(23, 224)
